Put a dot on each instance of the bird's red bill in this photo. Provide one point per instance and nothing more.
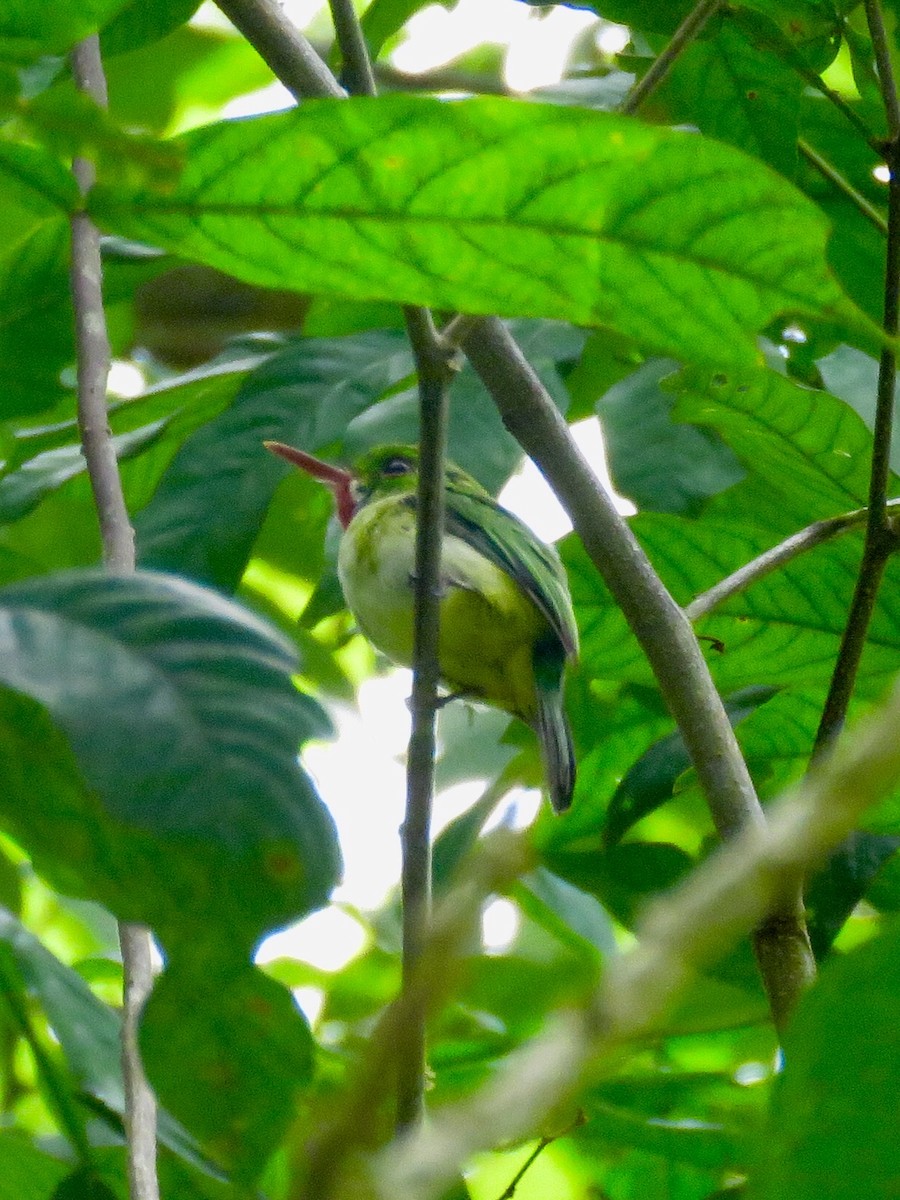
(334, 477)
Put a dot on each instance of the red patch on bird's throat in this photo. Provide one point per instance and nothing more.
(333, 477)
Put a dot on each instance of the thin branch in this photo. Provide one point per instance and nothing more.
(354, 52)
(689, 28)
(434, 371)
(500, 859)
(843, 185)
(282, 47)
(118, 554)
(691, 929)
(886, 80)
(665, 635)
(881, 540)
(791, 548)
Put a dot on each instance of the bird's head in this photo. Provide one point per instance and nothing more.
(384, 471)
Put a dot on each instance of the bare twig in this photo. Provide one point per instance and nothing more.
(665, 635)
(886, 80)
(434, 371)
(118, 553)
(791, 548)
(692, 928)
(881, 540)
(843, 185)
(689, 28)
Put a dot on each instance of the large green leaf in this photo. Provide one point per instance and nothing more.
(684, 244)
(27, 1172)
(167, 785)
(227, 1052)
(832, 1130)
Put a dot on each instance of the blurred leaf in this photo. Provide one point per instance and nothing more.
(52, 27)
(661, 465)
(26, 1172)
(837, 887)
(227, 1052)
(700, 1143)
(622, 877)
(832, 1123)
(139, 23)
(203, 826)
(565, 911)
(424, 229)
(383, 18)
(88, 1031)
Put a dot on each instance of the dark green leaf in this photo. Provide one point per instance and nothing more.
(651, 781)
(371, 199)
(661, 465)
(832, 1128)
(227, 1052)
(836, 889)
(180, 802)
(28, 30)
(139, 23)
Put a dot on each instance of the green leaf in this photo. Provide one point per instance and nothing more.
(29, 30)
(139, 23)
(88, 1031)
(661, 465)
(740, 93)
(700, 1143)
(383, 18)
(453, 204)
(832, 1128)
(651, 781)
(26, 1172)
(835, 890)
(227, 1052)
(180, 803)
(210, 505)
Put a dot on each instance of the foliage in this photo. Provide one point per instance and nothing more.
(690, 276)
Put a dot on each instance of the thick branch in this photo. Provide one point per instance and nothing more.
(275, 39)
(658, 623)
(688, 931)
(118, 554)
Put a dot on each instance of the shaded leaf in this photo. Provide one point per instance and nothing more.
(832, 1122)
(227, 1052)
(180, 803)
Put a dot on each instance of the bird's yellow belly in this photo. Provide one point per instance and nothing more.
(488, 625)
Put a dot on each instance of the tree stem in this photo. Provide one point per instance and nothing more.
(689, 28)
(781, 943)
(119, 555)
(881, 541)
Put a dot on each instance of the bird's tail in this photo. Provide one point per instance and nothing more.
(553, 732)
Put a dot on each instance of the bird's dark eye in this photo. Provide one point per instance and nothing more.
(397, 466)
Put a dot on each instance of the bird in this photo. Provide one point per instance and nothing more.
(507, 627)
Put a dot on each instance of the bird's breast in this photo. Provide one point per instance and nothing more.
(488, 625)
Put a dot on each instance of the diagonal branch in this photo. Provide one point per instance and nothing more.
(770, 560)
(118, 553)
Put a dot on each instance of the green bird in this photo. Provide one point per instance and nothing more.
(506, 621)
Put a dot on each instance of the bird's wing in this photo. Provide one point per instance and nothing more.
(508, 543)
